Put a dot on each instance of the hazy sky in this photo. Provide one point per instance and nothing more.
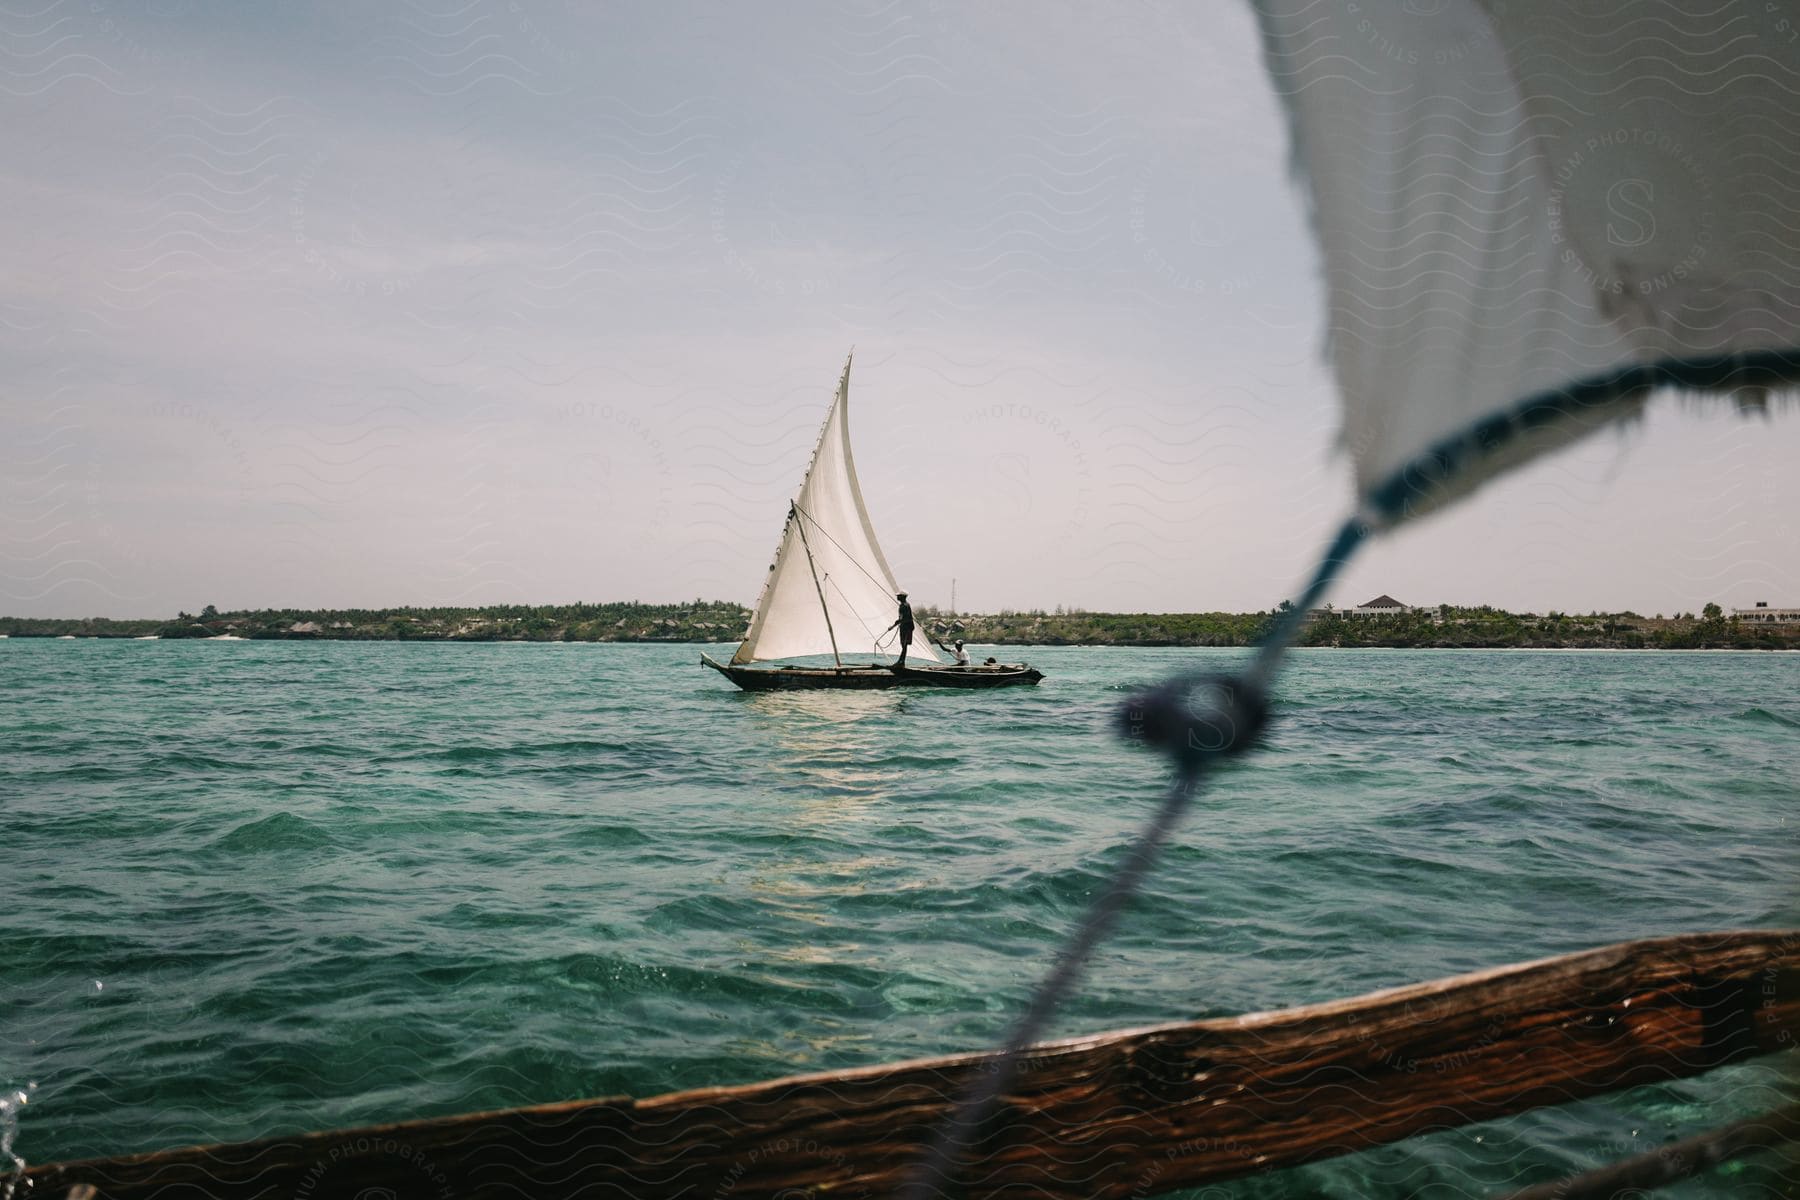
(468, 301)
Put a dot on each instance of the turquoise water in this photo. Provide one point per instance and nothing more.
(260, 887)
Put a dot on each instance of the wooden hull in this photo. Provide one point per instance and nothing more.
(873, 675)
(1106, 1116)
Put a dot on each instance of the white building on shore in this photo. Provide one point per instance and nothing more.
(1383, 605)
(1762, 614)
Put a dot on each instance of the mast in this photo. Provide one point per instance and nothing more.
(800, 524)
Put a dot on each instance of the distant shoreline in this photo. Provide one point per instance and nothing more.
(720, 622)
(1793, 649)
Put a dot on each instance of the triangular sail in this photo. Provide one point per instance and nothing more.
(845, 564)
(1533, 213)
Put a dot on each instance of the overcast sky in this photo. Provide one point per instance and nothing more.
(471, 301)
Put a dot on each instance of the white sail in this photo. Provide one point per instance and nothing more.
(1533, 213)
(828, 551)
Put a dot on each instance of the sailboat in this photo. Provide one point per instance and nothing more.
(830, 591)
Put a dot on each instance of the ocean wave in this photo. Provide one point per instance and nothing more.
(276, 832)
(1765, 716)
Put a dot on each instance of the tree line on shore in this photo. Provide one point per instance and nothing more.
(713, 621)
(1443, 627)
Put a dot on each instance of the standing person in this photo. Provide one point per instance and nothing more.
(904, 623)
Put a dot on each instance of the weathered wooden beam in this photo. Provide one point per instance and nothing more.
(1108, 1116)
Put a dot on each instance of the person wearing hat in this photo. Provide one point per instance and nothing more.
(956, 650)
(904, 623)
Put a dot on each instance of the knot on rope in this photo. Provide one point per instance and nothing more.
(1196, 719)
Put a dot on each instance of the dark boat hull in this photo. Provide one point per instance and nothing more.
(863, 678)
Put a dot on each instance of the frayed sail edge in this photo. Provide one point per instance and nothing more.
(1454, 465)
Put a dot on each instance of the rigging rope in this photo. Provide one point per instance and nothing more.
(851, 607)
(881, 583)
(1197, 741)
